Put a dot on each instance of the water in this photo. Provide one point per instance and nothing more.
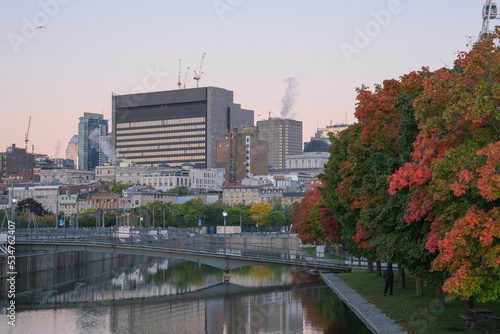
(98, 293)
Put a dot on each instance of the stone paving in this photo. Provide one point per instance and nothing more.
(373, 318)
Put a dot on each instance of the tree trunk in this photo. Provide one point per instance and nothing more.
(379, 269)
(401, 278)
(439, 297)
(419, 287)
(468, 304)
(370, 266)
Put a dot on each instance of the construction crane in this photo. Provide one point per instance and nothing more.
(185, 78)
(179, 84)
(26, 140)
(197, 75)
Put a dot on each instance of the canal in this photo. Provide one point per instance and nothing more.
(76, 292)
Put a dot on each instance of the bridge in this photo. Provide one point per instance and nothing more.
(220, 251)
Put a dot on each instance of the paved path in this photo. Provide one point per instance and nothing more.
(373, 318)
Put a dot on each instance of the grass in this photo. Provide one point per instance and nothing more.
(415, 314)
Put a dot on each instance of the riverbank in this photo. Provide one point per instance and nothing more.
(404, 309)
(373, 317)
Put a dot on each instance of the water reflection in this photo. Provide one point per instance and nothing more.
(157, 295)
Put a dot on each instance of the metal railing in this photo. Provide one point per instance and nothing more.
(178, 241)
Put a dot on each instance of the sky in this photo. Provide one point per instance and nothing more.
(315, 52)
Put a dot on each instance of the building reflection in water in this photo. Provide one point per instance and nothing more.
(132, 294)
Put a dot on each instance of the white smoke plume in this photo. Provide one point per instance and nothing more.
(108, 150)
(289, 98)
(103, 144)
(57, 149)
(94, 138)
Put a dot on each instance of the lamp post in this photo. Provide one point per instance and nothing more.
(13, 208)
(224, 213)
(163, 217)
(153, 216)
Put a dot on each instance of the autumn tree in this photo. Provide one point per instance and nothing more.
(306, 216)
(453, 177)
(371, 221)
(259, 212)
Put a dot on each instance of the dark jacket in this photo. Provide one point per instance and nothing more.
(388, 275)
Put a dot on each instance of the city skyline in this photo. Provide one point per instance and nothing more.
(289, 59)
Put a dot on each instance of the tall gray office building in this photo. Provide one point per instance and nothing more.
(175, 127)
(284, 137)
(90, 129)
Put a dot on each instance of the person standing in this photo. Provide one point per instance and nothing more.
(389, 279)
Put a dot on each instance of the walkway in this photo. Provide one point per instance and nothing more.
(373, 318)
(218, 251)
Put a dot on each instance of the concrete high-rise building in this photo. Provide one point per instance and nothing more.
(175, 127)
(72, 150)
(284, 137)
(335, 129)
(15, 160)
(242, 154)
(90, 128)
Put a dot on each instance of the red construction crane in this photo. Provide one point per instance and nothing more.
(197, 75)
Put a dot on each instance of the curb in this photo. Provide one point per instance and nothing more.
(374, 319)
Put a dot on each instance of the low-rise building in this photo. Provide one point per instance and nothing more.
(50, 175)
(244, 192)
(105, 200)
(47, 196)
(137, 196)
(206, 180)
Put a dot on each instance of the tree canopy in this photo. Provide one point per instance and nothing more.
(32, 205)
(416, 180)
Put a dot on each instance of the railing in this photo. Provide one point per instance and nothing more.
(176, 241)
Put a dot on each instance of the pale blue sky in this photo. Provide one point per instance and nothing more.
(93, 48)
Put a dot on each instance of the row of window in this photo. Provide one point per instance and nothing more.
(271, 191)
(171, 131)
(236, 202)
(190, 158)
(304, 164)
(188, 148)
(161, 122)
(159, 141)
(166, 182)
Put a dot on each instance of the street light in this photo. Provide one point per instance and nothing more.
(224, 213)
(153, 216)
(13, 208)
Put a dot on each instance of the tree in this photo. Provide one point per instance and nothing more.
(275, 219)
(32, 205)
(87, 218)
(306, 218)
(239, 214)
(118, 187)
(193, 210)
(179, 191)
(453, 176)
(369, 221)
(259, 212)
